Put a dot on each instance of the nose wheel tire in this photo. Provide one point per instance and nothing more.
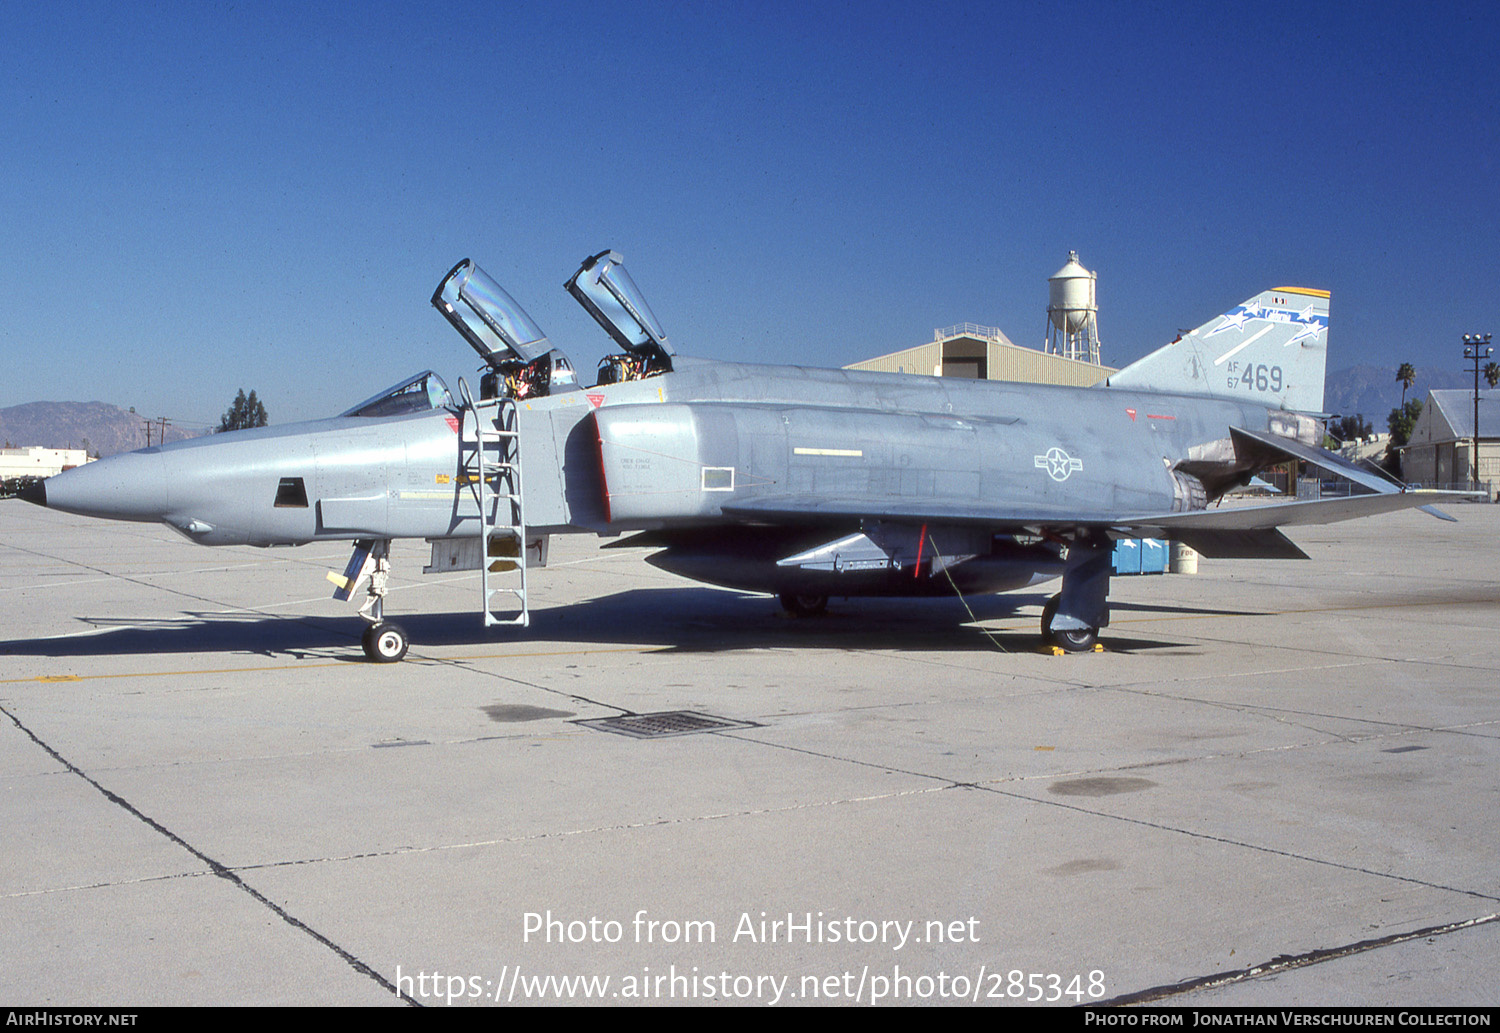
(385, 643)
(1073, 640)
(802, 605)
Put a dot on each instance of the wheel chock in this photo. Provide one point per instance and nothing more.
(1060, 651)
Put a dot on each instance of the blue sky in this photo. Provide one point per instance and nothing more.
(201, 197)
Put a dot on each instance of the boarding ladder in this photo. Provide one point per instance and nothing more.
(489, 443)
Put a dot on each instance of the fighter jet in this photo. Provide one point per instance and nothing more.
(802, 483)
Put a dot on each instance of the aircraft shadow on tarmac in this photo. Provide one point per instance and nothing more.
(687, 619)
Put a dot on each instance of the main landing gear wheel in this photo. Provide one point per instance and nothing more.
(1076, 640)
(385, 643)
(802, 605)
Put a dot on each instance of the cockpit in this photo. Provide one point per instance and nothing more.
(522, 362)
(421, 393)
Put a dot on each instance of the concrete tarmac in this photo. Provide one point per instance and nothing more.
(1276, 785)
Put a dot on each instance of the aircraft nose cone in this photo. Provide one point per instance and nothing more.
(35, 493)
(132, 486)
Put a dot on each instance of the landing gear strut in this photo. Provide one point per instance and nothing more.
(1071, 619)
(383, 641)
(1070, 640)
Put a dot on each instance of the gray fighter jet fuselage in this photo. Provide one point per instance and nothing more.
(805, 483)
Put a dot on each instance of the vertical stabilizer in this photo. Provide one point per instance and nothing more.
(1271, 350)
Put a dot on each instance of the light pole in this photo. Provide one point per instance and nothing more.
(1476, 348)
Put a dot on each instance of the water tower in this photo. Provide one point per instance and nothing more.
(1073, 313)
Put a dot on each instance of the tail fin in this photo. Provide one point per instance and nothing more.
(1271, 350)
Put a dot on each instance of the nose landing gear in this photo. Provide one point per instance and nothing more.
(384, 641)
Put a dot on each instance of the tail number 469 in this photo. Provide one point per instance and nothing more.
(1259, 378)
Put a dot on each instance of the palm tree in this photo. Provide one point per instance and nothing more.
(1407, 374)
(1492, 374)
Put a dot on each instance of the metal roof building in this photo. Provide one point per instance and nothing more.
(1441, 449)
(983, 352)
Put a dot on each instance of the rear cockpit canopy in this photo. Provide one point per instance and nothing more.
(606, 291)
(421, 393)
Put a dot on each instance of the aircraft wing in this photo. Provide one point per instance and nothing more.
(1247, 532)
(1252, 532)
(1375, 479)
(814, 509)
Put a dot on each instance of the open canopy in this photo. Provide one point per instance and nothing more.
(606, 291)
(493, 323)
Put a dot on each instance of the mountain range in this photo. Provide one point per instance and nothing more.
(1373, 391)
(101, 428)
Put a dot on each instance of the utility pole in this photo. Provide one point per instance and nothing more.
(1476, 348)
(162, 423)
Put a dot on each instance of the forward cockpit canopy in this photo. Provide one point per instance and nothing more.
(493, 323)
(421, 393)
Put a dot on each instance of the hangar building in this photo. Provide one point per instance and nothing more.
(969, 350)
(1071, 357)
(1441, 449)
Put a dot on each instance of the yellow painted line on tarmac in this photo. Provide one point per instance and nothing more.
(161, 674)
(50, 678)
(1023, 623)
(1314, 609)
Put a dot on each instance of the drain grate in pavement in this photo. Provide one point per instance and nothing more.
(664, 724)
